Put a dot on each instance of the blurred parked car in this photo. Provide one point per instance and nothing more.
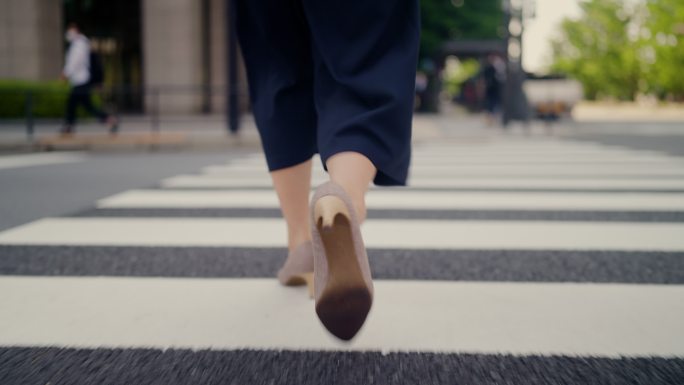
(551, 98)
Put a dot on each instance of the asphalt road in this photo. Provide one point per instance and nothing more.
(665, 137)
(534, 260)
(30, 193)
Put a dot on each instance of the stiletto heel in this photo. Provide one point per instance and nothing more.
(342, 281)
(309, 279)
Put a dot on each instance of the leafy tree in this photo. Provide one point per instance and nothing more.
(598, 50)
(444, 20)
(618, 49)
(664, 39)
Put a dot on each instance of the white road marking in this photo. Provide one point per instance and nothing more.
(407, 199)
(212, 181)
(27, 160)
(413, 234)
(520, 318)
(461, 170)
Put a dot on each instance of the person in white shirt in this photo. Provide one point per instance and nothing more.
(77, 72)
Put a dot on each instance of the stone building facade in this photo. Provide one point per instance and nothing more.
(183, 44)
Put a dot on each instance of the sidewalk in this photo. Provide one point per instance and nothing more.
(136, 133)
(180, 132)
(628, 112)
(209, 133)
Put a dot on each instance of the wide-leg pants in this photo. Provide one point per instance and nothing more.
(332, 76)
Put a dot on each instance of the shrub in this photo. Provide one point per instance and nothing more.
(49, 98)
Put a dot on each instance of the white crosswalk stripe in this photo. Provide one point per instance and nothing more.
(545, 315)
(380, 233)
(16, 161)
(203, 181)
(498, 170)
(386, 199)
(442, 316)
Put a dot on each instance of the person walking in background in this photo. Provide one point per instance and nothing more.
(494, 74)
(78, 69)
(338, 79)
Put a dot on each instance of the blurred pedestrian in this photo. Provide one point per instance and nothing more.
(422, 82)
(494, 74)
(338, 79)
(79, 70)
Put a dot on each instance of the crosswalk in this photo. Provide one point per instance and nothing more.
(507, 260)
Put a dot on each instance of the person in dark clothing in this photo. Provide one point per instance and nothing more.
(77, 69)
(493, 75)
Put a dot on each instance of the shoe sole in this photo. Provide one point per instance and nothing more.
(346, 299)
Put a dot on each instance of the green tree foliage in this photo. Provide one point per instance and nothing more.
(444, 20)
(664, 54)
(597, 50)
(456, 73)
(619, 49)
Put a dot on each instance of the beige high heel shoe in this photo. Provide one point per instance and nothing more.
(343, 288)
(298, 268)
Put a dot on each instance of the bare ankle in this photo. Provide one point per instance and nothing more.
(354, 172)
(358, 198)
(295, 242)
(360, 206)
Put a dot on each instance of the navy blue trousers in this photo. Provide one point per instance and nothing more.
(332, 76)
(81, 96)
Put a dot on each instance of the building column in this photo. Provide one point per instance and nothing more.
(218, 46)
(31, 39)
(172, 54)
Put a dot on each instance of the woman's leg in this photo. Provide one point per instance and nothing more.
(354, 172)
(293, 186)
(351, 170)
(277, 53)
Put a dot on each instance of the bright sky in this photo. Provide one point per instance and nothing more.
(540, 30)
